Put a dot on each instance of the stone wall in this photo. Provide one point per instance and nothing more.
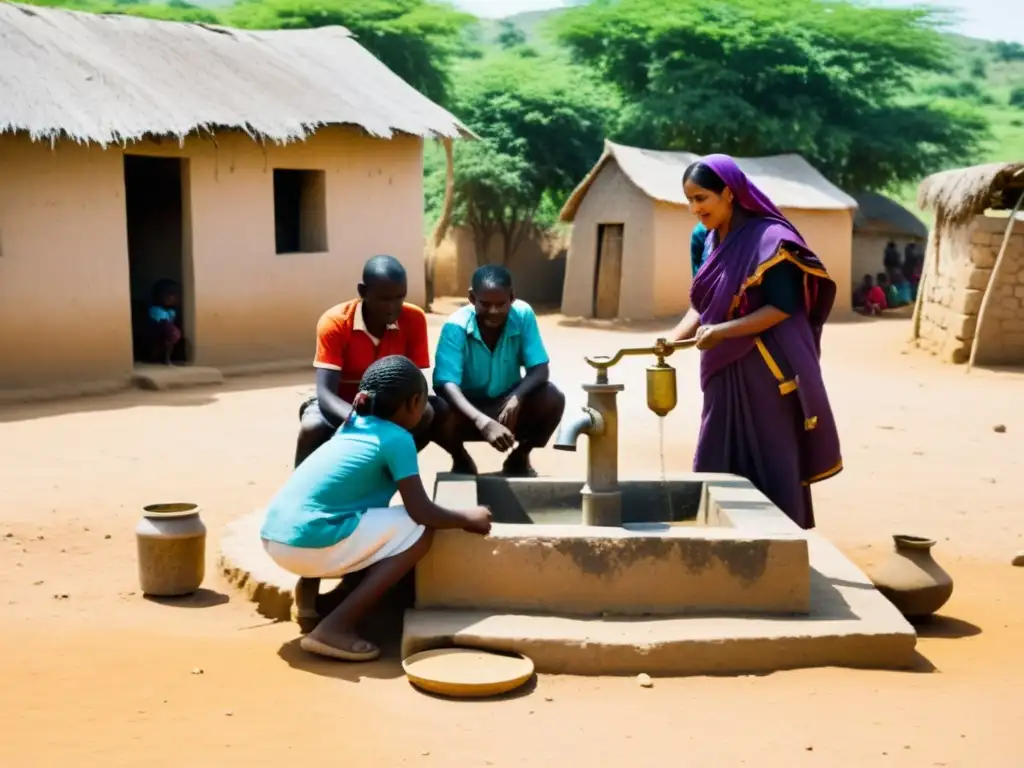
(956, 285)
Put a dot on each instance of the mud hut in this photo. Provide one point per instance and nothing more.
(971, 301)
(629, 251)
(257, 169)
(881, 220)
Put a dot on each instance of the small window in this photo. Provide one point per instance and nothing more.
(300, 211)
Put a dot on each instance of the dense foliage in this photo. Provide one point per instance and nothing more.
(416, 39)
(830, 81)
(541, 126)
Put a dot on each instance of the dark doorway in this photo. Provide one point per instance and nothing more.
(155, 215)
(608, 271)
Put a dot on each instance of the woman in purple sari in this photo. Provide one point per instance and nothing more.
(757, 307)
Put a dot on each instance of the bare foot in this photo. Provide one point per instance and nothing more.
(344, 645)
(463, 464)
(518, 465)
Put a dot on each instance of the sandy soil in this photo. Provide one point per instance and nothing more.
(94, 673)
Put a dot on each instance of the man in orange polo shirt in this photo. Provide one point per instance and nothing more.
(352, 335)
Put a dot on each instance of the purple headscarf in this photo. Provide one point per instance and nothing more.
(737, 263)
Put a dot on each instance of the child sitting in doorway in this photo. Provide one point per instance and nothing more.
(163, 320)
(332, 517)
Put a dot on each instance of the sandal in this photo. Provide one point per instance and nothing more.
(310, 645)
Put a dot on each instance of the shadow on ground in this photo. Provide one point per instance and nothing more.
(201, 598)
(946, 627)
(135, 398)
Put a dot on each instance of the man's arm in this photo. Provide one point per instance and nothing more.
(417, 347)
(329, 361)
(535, 357)
(535, 377)
(448, 367)
(334, 409)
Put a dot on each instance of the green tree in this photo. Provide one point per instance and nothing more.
(509, 35)
(1017, 97)
(832, 81)
(541, 125)
(416, 39)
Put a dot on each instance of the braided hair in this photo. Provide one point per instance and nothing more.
(387, 385)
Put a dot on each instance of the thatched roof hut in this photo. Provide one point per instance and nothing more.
(628, 256)
(109, 79)
(255, 169)
(957, 196)
(971, 302)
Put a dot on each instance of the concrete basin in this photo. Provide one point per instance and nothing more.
(676, 553)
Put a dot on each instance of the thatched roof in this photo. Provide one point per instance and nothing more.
(789, 180)
(110, 79)
(883, 214)
(958, 195)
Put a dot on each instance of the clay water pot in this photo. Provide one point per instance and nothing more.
(911, 580)
(171, 542)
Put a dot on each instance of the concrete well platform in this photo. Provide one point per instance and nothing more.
(850, 625)
(560, 572)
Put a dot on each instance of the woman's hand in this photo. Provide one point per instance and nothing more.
(708, 336)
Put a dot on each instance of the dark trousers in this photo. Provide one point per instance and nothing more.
(539, 415)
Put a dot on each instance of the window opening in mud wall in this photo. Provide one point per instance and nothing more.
(300, 211)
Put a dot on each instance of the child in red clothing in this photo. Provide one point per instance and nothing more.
(870, 297)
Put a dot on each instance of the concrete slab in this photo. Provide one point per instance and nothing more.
(245, 565)
(161, 377)
(576, 570)
(850, 625)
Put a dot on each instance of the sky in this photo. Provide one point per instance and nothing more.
(987, 19)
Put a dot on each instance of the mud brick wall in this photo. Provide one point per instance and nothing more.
(952, 297)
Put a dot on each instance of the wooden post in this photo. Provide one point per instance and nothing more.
(986, 300)
(931, 259)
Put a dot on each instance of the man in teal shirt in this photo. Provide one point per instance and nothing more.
(478, 369)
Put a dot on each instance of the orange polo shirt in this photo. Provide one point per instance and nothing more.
(343, 343)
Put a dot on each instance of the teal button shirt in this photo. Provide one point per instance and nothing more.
(463, 359)
(356, 470)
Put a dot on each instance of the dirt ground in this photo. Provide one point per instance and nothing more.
(92, 672)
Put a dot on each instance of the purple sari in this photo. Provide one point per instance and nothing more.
(766, 413)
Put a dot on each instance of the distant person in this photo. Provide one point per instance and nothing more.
(349, 338)
(899, 290)
(162, 320)
(332, 517)
(698, 239)
(860, 293)
(885, 284)
(891, 257)
(482, 354)
(913, 259)
(873, 301)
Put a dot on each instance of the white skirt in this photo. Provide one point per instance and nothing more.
(382, 533)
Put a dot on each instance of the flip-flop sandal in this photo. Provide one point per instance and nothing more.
(310, 645)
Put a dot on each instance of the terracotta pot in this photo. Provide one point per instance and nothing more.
(171, 541)
(911, 579)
